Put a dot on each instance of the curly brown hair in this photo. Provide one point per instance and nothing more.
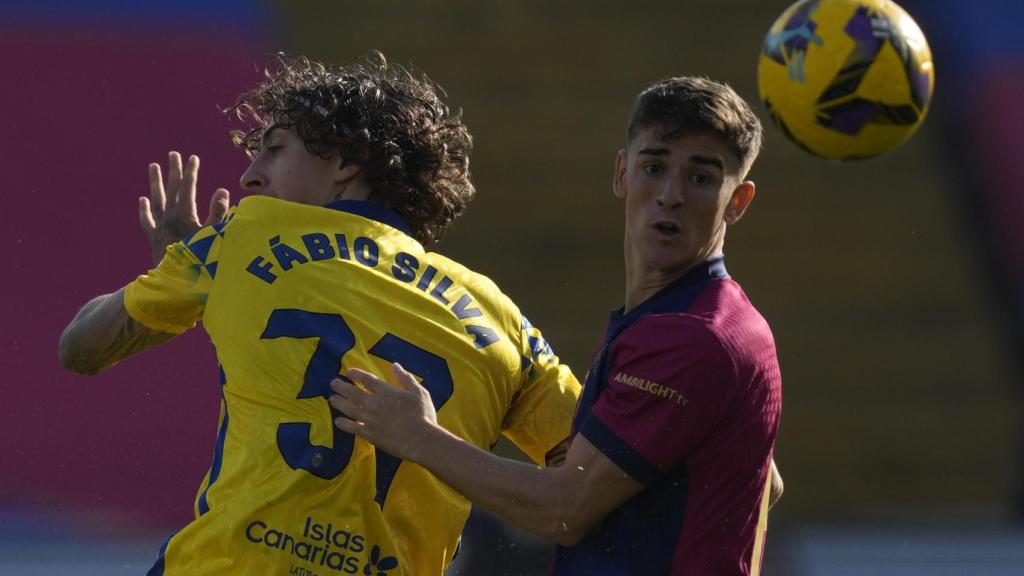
(394, 123)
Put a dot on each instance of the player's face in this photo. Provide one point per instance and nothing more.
(283, 168)
(680, 194)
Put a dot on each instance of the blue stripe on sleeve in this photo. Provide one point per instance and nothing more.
(619, 452)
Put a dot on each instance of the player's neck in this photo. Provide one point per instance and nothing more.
(639, 288)
(643, 282)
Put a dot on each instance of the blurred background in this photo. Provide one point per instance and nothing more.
(895, 286)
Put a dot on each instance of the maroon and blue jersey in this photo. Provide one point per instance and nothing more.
(684, 396)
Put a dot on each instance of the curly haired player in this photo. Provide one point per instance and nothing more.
(355, 169)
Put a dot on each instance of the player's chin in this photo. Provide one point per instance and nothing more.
(667, 259)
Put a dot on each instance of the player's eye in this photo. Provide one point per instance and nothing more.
(652, 169)
(273, 150)
(700, 179)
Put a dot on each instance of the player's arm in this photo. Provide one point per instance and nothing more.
(556, 456)
(561, 504)
(539, 418)
(102, 333)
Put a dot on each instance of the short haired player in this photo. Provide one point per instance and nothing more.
(673, 437)
(355, 169)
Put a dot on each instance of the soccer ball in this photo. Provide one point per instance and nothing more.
(846, 79)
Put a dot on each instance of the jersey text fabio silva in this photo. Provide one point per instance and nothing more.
(294, 295)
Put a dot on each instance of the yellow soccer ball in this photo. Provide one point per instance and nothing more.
(846, 79)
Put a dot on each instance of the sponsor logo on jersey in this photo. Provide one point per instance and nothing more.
(651, 387)
(322, 545)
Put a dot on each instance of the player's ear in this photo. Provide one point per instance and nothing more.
(740, 200)
(346, 171)
(619, 179)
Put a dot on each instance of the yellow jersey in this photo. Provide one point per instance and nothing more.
(293, 295)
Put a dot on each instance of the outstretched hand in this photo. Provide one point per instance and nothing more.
(169, 214)
(397, 419)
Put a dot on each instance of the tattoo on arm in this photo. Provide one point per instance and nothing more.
(75, 360)
(102, 334)
(130, 339)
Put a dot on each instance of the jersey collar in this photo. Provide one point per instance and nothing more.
(372, 211)
(668, 298)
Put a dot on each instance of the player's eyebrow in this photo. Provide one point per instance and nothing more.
(267, 132)
(653, 152)
(696, 159)
(708, 161)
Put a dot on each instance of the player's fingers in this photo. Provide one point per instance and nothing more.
(372, 384)
(146, 216)
(404, 378)
(346, 389)
(173, 180)
(156, 190)
(346, 407)
(350, 426)
(218, 207)
(186, 206)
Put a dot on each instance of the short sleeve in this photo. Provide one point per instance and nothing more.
(171, 298)
(669, 383)
(540, 416)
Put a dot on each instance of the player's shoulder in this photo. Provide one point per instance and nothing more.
(252, 205)
(468, 277)
(204, 245)
(738, 327)
(739, 316)
(483, 289)
(257, 207)
(260, 208)
(278, 218)
(237, 216)
(725, 309)
(682, 333)
(453, 267)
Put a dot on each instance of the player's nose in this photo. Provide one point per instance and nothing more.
(252, 180)
(671, 193)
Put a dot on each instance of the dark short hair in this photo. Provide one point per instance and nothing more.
(694, 104)
(394, 123)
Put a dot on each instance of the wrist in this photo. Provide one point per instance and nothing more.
(425, 445)
(158, 253)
